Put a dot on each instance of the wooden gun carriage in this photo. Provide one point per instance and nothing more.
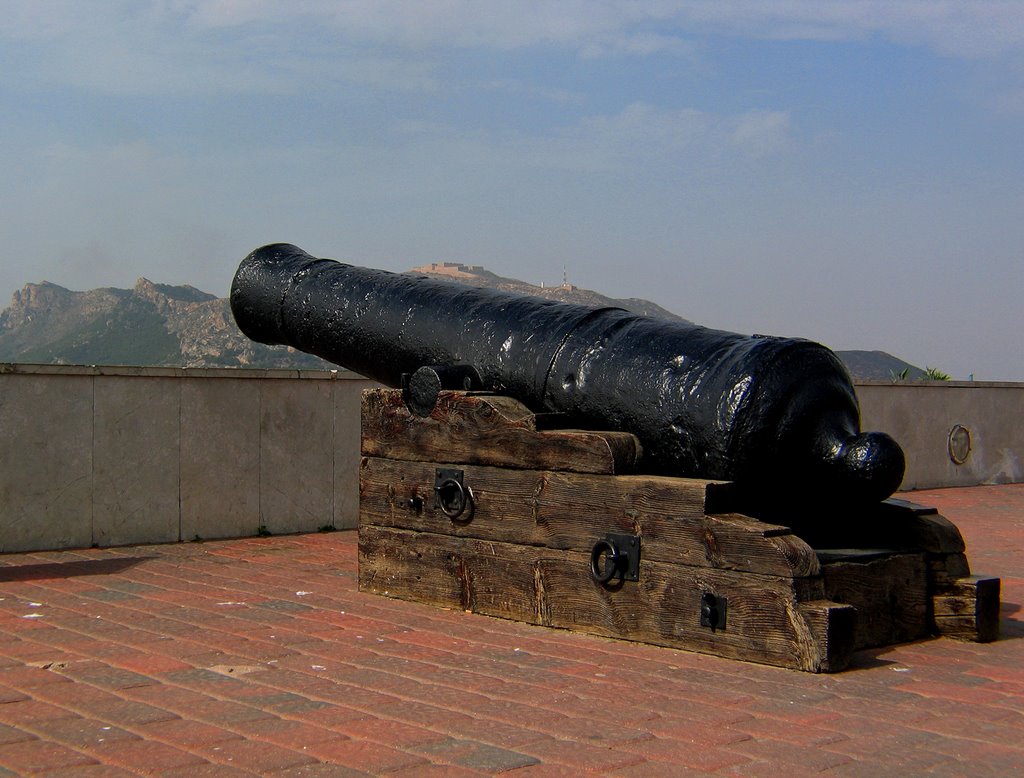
(476, 506)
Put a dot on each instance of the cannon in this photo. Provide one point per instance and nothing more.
(637, 478)
(778, 415)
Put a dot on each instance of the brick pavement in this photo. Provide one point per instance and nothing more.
(259, 656)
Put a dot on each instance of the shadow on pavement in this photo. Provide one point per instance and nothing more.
(79, 567)
(1010, 628)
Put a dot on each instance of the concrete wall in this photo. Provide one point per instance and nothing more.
(112, 456)
(922, 414)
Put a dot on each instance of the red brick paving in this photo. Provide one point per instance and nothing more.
(259, 657)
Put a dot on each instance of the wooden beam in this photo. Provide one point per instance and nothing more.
(573, 511)
(768, 619)
(490, 430)
(889, 592)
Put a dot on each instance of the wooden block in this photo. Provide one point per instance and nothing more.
(968, 609)
(487, 430)
(934, 533)
(573, 511)
(945, 569)
(890, 594)
(834, 628)
(765, 621)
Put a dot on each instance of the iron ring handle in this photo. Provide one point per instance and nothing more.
(613, 561)
(455, 507)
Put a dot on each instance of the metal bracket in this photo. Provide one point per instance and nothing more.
(713, 610)
(617, 556)
(450, 495)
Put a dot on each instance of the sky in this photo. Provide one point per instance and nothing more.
(849, 171)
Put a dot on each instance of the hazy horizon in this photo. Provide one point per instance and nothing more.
(848, 172)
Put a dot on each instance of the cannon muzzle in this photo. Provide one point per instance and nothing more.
(776, 414)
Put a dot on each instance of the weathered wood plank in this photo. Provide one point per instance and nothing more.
(487, 430)
(968, 609)
(890, 594)
(765, 621)
(833, 629)
(573, 511)
(934, 533)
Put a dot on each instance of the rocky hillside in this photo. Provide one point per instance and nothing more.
(156, 324)
(150, 324)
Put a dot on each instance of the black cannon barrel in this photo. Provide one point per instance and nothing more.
(779, 414)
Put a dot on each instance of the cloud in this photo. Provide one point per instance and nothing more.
(973, 29)
(33, 21)
(279, 46)
(638, 133)
(981, 28)
(976, 28)
(172, 48)
(502, 24)
(638, 140)
(642, 44)
(761, 133)
(515, 86)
